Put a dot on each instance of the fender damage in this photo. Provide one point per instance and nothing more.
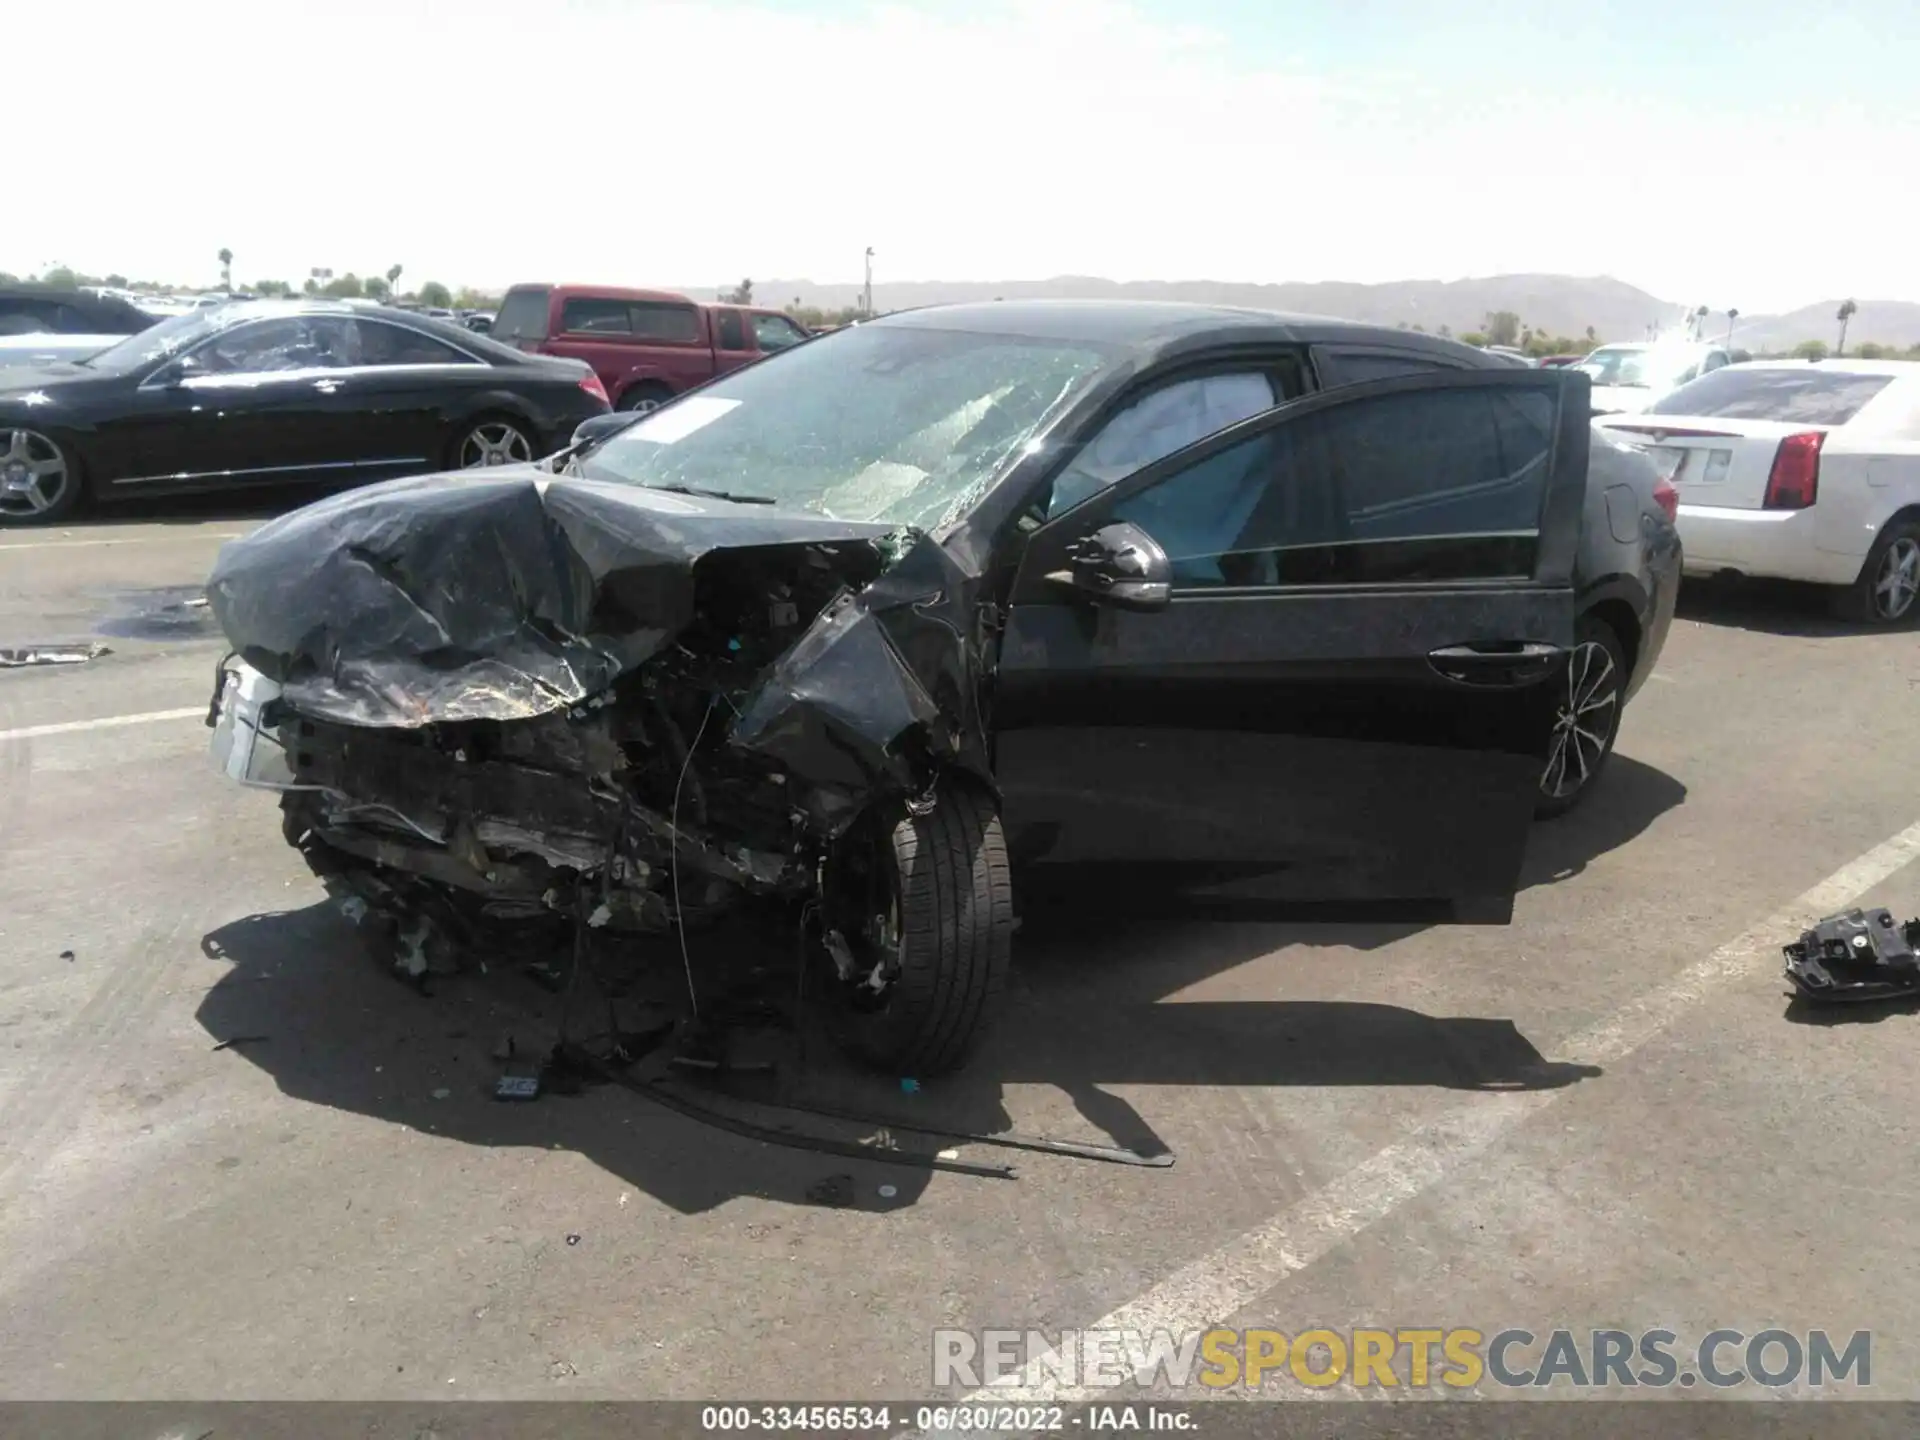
(510, 696)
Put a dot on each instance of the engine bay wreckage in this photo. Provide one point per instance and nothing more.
(494, 701)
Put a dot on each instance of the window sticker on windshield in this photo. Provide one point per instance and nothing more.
(676, 422)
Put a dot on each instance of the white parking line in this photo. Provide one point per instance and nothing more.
(125, 540)
(106, 722)
(1209, 1291)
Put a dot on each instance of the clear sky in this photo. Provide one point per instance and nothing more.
(1724, 152)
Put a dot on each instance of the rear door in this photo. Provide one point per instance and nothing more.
(390, 412)
(1344, 694)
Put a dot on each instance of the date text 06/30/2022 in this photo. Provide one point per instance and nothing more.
(965, 1419)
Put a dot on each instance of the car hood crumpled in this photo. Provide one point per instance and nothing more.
(513, 594)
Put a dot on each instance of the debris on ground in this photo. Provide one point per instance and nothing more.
(21, 656)
(1855, 956)
(442, 1093)
(573, 1239)
(66, 954)
(236, 1041)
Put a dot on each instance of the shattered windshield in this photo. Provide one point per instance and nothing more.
(874, 423)
(157, 342)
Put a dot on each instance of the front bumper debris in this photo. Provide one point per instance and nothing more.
(1858, 955)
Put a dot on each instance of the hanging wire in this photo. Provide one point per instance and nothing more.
(679, 916)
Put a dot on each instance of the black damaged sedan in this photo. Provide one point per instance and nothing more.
(272, 392)
(1161, 598)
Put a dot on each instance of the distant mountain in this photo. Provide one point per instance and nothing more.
(1883, 322)
(1558, 304)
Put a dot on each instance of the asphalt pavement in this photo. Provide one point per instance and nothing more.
(1605, 1114)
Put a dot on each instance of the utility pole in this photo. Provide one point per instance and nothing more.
(866, 299)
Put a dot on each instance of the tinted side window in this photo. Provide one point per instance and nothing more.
(1433, 486)
(1342, 366)
(523, 316)
(266, 346)
(588, 316)
(675, 324)
(775, 332)
(733, 332)
(394, 345)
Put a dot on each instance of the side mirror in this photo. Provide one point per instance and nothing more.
(177, 371)
(1119, 565)
(598, 427)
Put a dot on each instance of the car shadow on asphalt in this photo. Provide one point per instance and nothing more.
(1085, 1016)
(1767, 607)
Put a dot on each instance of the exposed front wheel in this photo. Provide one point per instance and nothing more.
(39, 482)
(918, 920)
(1888, 590)
(1586, 718)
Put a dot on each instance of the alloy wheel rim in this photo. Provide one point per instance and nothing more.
(1898, 582)
(1583, 724)
(641, 407)
(496, 443)
(33, 473)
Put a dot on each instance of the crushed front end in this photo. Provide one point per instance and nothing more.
(495, 708)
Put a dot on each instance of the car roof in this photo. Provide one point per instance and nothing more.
(1149, 326)
(360, 309)
(1892, 369)
(605, 292)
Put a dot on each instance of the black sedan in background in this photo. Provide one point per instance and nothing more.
(271, 392)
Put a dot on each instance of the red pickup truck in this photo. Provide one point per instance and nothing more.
(646, 345)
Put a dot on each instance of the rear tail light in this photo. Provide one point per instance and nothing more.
(590, 383)
(1794, 483)
(1667, 498)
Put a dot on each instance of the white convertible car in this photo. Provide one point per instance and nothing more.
(1798, 470)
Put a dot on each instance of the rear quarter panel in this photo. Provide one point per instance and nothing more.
(1630, 553)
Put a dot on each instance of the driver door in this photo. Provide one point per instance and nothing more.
(1307, 657)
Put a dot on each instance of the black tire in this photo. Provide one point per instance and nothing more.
(949, 878)
(469, 432)
(26, 447)
(1573, 765)
(647, 395)
(1867, 601)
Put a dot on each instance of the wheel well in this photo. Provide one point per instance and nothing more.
(658, 387)
(1618, 617)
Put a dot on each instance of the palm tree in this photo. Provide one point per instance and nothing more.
(1845, 313)
(393, 278)
(226, 270)
(1699, 321)
(1733, 314)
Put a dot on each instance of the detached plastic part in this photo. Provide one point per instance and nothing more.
(1854, 956)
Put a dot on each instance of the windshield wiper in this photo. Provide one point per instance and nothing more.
(707, 494)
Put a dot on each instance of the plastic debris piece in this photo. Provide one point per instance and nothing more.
(442, 1093)
(1857, 955)
(573, 1239)
(887, 1192)
(909, 1086)
(234, 1042)
(66, 954)
(24, 655)
(517, 1087)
